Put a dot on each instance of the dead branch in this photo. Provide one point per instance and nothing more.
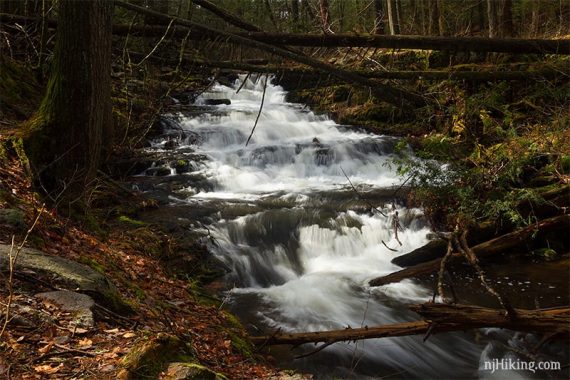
(501, 244)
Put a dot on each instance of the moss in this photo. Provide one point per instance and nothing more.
(238, 337)
(131, 222)
(151, 355)
(94, 264)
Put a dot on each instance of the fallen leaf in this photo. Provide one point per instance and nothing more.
(86, 342)
(129, 335)
(45, 349)
(48, 369)
(112, 331)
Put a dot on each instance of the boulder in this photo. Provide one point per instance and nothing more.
(217, 102)
(66, 273)
(81, 305)
(190, 371)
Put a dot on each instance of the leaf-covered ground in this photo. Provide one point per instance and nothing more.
(42, 341)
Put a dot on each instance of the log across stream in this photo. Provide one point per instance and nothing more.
(300, 248)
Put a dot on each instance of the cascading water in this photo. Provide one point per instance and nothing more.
(300, 244)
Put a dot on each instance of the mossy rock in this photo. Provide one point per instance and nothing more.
(14, 219)
(151, 355)
(191, 371)
(68, 274)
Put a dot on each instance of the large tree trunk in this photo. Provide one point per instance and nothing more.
(73, 125)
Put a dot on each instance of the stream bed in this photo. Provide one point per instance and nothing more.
(300, 245)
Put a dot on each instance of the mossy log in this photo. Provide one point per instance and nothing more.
(438, 318)
(505, 243)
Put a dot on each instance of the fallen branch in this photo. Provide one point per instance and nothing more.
(439, 318)
(492, 247)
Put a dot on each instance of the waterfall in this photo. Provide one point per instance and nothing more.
(301, 255)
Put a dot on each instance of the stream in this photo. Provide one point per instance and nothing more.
(300, 245)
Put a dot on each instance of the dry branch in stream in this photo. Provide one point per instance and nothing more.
(501, 244)
(438, 318)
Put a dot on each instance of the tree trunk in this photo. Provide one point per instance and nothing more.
(535, 19)
(73, 125)
(441, 18)
(398, 17)
(378, 17)
(492, 16)
(507, 28)
(295, 15)
(433, 18)
(325, 16)
(391, 18)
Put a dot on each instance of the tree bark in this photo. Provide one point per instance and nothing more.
(441, 18)
(439, 318)
(70, 132)
(501, 244)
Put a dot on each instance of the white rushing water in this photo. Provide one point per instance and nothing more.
(302, 260)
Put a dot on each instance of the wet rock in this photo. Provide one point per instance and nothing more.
(80, 304)
(217, 102)
(66, 273)
(181, 166)
(191, 371)
(160, 171)
(14, 219)
(171, 144)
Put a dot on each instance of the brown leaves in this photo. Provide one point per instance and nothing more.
(48, 369)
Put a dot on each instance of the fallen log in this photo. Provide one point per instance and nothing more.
(389, 94)
(554, 320)
(474, 44)
(501, 244)
(439, 318)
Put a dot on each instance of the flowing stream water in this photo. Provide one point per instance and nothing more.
(300, 245)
